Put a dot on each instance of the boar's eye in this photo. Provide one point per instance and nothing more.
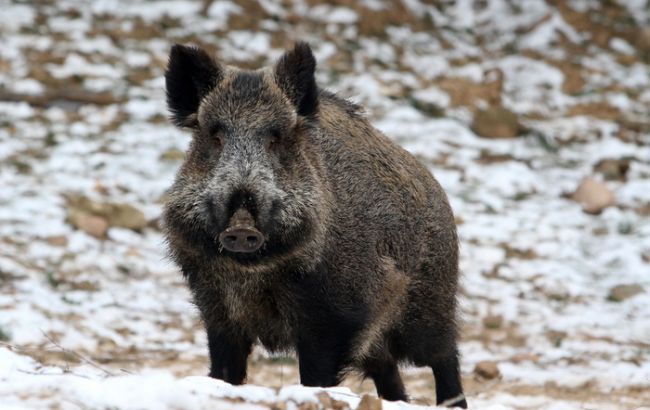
(218, 140)
(273, 138)
(215, 132)
(215, 128)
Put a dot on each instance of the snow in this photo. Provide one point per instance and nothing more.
(249, 43)
(75, 64)
(528, 253)
(549, 32)
(531, 85)
(16, 15)
(433, 95)
(28, 86)
(88, 387)
(336, 15)
(430, 66)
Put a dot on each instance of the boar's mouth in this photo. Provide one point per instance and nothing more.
(241, 236)
(279, 240)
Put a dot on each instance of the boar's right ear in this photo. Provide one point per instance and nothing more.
(294, 73)
(191, 74)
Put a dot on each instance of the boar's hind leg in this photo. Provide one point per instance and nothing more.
(228, 355)
(386, 376)
(448, 385)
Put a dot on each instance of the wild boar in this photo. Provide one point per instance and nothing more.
(300, 226)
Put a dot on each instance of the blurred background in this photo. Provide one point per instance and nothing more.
(534, 116)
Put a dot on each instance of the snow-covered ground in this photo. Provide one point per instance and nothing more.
(104, 320)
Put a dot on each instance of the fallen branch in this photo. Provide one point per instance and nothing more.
(53, 374)
(78, 355)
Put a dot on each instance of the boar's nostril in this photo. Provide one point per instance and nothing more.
(241, 239)
(230, 239)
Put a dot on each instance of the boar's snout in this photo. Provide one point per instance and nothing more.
(241, 235)
(241, 239)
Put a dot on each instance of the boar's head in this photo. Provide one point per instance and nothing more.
(250, 186)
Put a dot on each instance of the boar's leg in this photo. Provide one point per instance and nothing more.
(324, 343)
(326, 328)
(321, 362)
(449, 390)
(228, 355)
(386, 376)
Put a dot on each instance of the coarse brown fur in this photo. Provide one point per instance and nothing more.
(359, 270)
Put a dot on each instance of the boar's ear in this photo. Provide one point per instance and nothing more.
(191, 74)
(294, 73)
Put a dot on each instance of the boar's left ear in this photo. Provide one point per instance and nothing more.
(191, 74)
(294, 73)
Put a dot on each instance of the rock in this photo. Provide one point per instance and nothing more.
(496, 122)
(487, 369)
(172, 155)
(85, 285)
(556, 337)
(643, 41)
(613, 169)
(430, 101)
(101, 188)
(594, 196)
(524, 357)
(116, 214)
(125, 216)
(645, 256)
(466, 92)
(493, 321)
(340, 405)
(369, 403)
(625, 227)
(621, 292)
(324, 399)
(58, 240)
(428, 108)
(91, 224)
(327, 402)
(309, 406)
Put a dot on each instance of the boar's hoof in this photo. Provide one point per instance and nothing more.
(241, 239)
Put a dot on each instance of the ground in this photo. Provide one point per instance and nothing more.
(511, 106)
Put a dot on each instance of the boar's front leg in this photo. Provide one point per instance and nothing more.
(326, 328)
(228, 354)
(325, 342)
(321, 359)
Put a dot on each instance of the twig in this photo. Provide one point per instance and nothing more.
(78, 355)
(52, 374)
(10, 346)
(205, 7)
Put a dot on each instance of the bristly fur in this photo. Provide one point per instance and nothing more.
(359, 267)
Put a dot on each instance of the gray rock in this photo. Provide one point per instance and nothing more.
(620, 293)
